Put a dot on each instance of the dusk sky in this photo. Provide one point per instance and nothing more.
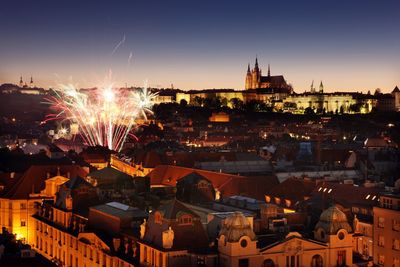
(349, 45)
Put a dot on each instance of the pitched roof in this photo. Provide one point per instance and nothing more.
(396, 90)
(348, 195)
(33, 180)
(292, 188)
(227, 184)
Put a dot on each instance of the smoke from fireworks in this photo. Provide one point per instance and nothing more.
(105, 116)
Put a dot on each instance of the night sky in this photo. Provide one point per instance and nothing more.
(350, 45)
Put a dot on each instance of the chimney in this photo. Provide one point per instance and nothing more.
(12, 175)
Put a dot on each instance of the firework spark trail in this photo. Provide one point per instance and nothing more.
(118, 45)
(130, 59)
(105, 116)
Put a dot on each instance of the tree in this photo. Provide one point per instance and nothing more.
(236, 103)
(198, 101)
(183, 103)
(309, 111)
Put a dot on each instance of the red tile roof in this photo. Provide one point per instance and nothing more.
(33, 180)
(227, 184)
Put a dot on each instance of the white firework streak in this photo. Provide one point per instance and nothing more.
(118, 45)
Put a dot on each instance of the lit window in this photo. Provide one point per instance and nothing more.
(381, 222)
(325, 189)
(320, 189)
(381, 241)
(185, 220)
(158, 217)
(373, 198)
(330, 190)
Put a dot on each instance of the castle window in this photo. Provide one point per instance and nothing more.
(243, 243)
(185, 220)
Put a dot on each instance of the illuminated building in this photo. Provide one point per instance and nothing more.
(387, 231)
(17, 203)
(332, 244)
(255, 80)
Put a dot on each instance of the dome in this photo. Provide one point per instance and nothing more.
(332, 220)
(237, 226)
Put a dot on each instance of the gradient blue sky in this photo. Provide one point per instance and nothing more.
(350, 45)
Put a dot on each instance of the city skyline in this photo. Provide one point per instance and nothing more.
(350, 47)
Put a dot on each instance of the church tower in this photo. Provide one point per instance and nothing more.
(21, 82)
(321, 88)
(248, 78)
(255, 76)
(31, 83)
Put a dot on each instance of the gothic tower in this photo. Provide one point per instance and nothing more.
(31, 83)
(255, 76)
(248, 78)
(321, 88)
(21, 82)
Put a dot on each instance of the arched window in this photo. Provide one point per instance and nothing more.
(268, 263)
(317, 261)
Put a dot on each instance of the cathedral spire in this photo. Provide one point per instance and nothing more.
(269, 71)
(256, 65)
(21, 82)
(248, 68)
(312, 89)
(321, 88)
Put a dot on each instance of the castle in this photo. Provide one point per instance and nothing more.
(255, 80)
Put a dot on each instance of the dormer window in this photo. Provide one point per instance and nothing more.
(185, 219)
(158, 217)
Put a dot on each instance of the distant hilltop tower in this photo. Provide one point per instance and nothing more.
(21, 82)
(312, 88)
(31, 85)
(321, 88)
(255, 80)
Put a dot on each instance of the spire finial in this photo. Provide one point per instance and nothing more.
(248, 68)
(269, 71)
(321, 87)
(256, 65)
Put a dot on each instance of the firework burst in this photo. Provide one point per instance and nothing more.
(105, 116)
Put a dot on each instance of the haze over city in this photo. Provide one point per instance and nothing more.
(349, 45)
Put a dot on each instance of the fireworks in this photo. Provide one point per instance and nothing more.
(105, 116)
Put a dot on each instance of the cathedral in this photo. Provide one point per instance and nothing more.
(254, 79)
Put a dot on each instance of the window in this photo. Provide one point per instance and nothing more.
(381, 222)
(341, 258)
(341, 235)
(396, 262)
(158, 217)
(243, 262)
(387, 203)
(396, 225)
(22, 206)
(23, 223)
(317, 261)
(396, 244)
(381, 241)
(268, 263)
(243, 243)
(381, 259)
(185, 219)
